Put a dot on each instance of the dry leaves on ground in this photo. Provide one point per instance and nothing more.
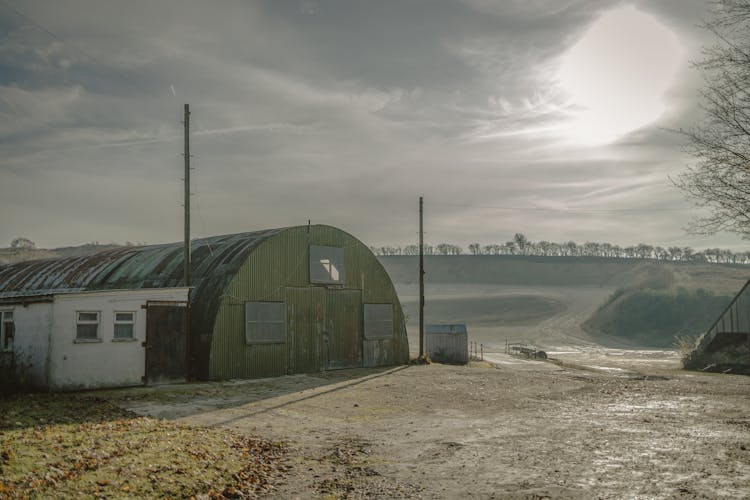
(67, 445)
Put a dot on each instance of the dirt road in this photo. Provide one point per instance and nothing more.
(517, 429)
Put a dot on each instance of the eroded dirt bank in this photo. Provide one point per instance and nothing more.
(515, 430)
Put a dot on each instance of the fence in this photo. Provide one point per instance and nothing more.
(524, 349)
(476, 351)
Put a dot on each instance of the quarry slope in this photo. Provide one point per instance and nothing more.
(546, 300)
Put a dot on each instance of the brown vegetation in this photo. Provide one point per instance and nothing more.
(75, 446)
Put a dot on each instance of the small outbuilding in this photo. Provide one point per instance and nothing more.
(260, 304)
(447, 343)
(725, 346)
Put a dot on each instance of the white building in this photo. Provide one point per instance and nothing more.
(80, 340)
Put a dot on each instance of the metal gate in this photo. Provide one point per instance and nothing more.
(166, 342)
(343, 335)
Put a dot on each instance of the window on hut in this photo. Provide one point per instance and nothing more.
(265, 322)
(378, 321)
(326, 265)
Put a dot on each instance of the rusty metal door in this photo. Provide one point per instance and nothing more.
(166, 342)
(305, 315)
(343, 333)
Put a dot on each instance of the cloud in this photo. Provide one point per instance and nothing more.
(339, 112)
(24, 111)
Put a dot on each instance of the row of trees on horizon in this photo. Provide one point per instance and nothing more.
(520, 245)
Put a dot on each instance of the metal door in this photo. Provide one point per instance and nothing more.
(343, 334)
(305, 315)
(166, 342)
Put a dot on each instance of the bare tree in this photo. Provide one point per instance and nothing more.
(521, 242)
(493, 249)
(571, 248)
(22, 244)
(720, 179)
(411, 250)
(591, 249)
(443, 249)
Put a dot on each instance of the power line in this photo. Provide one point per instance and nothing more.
(67, 43)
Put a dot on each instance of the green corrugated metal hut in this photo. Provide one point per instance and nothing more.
(265, 303)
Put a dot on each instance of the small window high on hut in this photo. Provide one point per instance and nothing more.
(326, 265)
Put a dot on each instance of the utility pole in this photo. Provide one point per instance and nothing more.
(186, 204)
(421, 280)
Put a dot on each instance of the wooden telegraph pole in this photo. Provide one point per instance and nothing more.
(186, 204)
(421, 280)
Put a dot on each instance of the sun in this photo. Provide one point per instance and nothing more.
(617, 74)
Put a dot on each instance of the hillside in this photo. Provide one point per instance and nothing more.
(656, 318)
(567, 271)
(563, 301)
(11, 256)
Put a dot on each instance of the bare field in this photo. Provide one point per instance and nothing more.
(516, 429)
(549, 316)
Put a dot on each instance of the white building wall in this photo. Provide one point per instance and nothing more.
(106, 361)
(30, 348)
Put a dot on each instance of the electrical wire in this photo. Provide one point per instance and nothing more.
(69, 44)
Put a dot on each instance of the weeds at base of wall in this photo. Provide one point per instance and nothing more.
(730, 359)
(685, 346)
(14, 375)
(424, 359)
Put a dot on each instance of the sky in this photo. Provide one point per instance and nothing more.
(550, 118)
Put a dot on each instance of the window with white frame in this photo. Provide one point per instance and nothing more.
(265, 322)
(326, 265)
(7, 330)
(87, 325)
(124, 325)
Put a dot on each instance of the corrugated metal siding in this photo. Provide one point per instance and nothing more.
(305, 325)
(342, 339)
(281, 262)
(734, 319)
(725, 346)
(380, 353)
(153, 266)
(378, 321)
(447, 347)
(457, 328)
(237, 359)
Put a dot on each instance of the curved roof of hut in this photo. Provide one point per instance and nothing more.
(215, 260)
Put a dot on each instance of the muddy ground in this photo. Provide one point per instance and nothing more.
(511, 429)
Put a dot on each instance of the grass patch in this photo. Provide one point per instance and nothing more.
(657, 318)
(72, 446)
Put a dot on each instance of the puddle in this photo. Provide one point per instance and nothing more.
(607, 368)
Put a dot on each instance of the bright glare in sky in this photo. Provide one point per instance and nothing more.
(617, 74)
